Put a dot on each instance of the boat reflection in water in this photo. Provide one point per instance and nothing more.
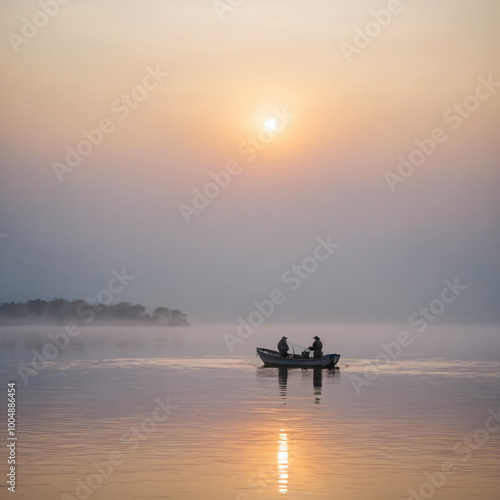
(282, 380)
(286, 449)
(317, 381)
(283, 462)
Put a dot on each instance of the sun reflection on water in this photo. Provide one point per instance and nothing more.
(283, 462)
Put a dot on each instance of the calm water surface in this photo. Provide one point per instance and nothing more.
(231, 429)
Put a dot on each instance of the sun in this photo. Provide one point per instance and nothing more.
(270, 124)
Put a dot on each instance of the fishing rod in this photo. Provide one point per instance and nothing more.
(249, 359)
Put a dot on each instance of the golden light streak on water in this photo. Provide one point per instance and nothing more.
(283, 462)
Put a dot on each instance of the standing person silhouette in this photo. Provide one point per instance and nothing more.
(283, 347)
(317, 347)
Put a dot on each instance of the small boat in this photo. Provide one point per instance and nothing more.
(273, 358)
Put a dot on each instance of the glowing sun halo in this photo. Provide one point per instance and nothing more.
(270, 124)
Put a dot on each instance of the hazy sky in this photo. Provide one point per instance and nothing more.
(180, 88)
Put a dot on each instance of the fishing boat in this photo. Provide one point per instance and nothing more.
(273, 358)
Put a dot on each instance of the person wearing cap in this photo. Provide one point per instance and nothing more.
(317, 347)
(283, 347)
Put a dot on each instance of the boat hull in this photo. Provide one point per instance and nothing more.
(273, 358)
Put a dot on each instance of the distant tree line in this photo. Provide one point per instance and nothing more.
(63, 310)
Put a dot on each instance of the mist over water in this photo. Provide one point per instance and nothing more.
(236, 430)
(352, 341)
